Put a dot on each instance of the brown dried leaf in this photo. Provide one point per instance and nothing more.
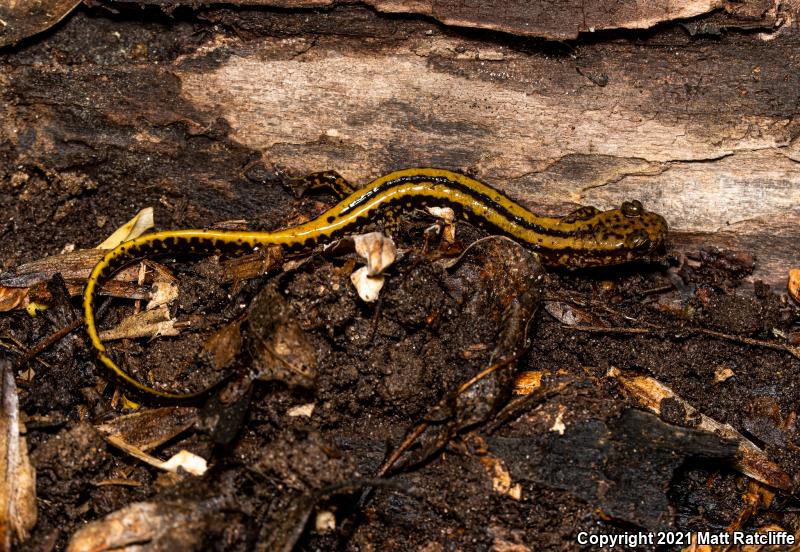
(569, 315)
(150, 428)
(12, 298)
(176, 525)
(74, 267)
(527, 382)
(149, 323)
(164, 292)
(249, 266)
(502, 482)
(758, 497)
(281, 349)
(723, 373)
(18, 482)
(22, 19)
(225, 344)
(751, 460)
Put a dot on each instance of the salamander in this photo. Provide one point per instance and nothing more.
(586, 237)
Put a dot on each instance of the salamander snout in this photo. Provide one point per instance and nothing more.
(651, 231)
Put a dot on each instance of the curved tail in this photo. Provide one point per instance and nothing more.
(122, 255)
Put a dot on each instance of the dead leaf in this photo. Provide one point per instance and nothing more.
(569, 315)
(149, 323)
(18, 482)
(281, 349)
(22, 19)
(758, 497)
(74, 267)
(264, 260)
(186, 461)
(12, 298)
(751, 460)
(378, 250)
(225, 344)
(305, 410)
(325, 522)
(177, 525)
(138, 225)
(368, 287)
(447, 217)
(527, 382)
(164, 292)
(723, 373)
(150, 428)
(499, 280)
(502, 482)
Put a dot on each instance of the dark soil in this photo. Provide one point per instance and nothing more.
(586, 456)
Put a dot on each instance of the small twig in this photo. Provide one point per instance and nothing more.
(483, 373)
(400, 450)
(794, 351)
(586, 303)
(46, 342)
(422, 426)
(17, 347)
(514, 408)
(657, 290)
(610, 329)
(375, 320)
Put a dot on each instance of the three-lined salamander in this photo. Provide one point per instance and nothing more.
(584, 238)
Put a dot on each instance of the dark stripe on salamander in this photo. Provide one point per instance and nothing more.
(482, 198)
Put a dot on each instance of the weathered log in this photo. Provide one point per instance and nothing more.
(702, 129)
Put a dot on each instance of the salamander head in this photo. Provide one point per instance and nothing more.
(614, 237)
(629, 233)
(646, 230)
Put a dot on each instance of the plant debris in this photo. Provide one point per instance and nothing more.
(621, 465)
(431, 388)
(18, 483)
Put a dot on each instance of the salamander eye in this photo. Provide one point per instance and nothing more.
(632, 209)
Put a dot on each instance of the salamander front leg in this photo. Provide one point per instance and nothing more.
(324, 180)
(581, 213)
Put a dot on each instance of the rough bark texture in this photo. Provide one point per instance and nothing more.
(554, 20)
(193, 112)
